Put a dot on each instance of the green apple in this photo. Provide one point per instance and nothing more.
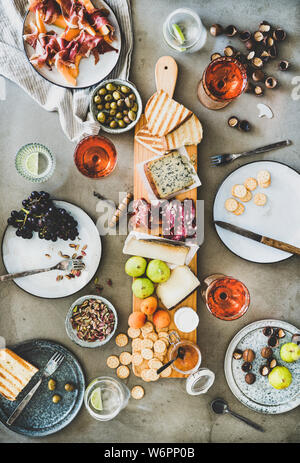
(135, 266)
(280, 377)
(290, 352)
(158, 271)
(142, 288)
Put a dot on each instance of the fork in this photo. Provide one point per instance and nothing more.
(67, 264)
(221, 159)
(49, 369)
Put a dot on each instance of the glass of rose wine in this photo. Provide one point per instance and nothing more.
(223, 80)
(225, 297)
(95, 156)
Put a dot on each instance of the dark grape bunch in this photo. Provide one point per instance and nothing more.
(39, 214)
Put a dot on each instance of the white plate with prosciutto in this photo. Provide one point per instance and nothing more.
(71, 43)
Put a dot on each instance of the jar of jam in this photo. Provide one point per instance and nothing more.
(199, 380)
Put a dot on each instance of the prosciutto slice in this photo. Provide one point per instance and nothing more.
(48, 9)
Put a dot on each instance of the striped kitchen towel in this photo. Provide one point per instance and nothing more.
(72, 105)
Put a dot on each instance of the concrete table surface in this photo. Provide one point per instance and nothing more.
(167, 413)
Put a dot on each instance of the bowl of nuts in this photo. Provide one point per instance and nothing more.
(116, 105)
(91, 321)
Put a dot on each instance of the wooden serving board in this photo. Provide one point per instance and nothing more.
(165, 76)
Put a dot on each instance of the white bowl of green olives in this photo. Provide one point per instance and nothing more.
(116, 105)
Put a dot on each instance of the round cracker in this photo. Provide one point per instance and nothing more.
(152, 375)
(260, 199)
(248, 197)
(155, 364)
(121, 340)
(163, 330)
(239, 191)
(240, 210)
(136, 359)
(147, 328)
(123, 371)
(146, 344)
(160, 346)
(133, 332)
(147, 354)
(250, 183)
(163, 334)
(136, 344)
(264, 178)
(160, 357)
(137, 392)
(153, 336)
(112, 361)
(231, 204)
(125, 358)
(166, 373)
(144, 375)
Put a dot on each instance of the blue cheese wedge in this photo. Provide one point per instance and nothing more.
(169, 174)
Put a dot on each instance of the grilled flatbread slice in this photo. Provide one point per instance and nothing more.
(163, 114)
(151, 142)
(15, 374)
(188, 133)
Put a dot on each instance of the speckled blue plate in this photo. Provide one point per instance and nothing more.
(261, 396)
(42, 417)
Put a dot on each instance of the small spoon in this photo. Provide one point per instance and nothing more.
(180, 354)
(220, 407)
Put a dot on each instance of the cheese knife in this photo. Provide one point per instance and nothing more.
(260, 238)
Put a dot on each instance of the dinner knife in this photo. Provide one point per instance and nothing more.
(260, 238)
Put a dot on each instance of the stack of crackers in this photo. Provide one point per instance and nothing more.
(243, 192)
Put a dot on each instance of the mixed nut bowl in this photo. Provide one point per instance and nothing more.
(91, 321)
(116, 105)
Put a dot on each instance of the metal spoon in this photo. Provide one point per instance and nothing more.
(180, 354)
(220, 407)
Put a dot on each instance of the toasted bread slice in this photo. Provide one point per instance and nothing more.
(151, 142)
(15, 374)
(189, 133)
(164, 114)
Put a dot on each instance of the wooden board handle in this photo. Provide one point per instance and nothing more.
(280, 245)
(166, 71)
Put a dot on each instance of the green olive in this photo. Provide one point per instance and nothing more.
(100, 107)
(51, 384)
(108, 97)
(69, 387)
(113, 105)
(128, 102)
(120, 103)
(113, 124)
(110, 87)
(125, 112)
(119, 115)
(117, 95)
(121, 124)
(101, 117)
(134, 107)
(56, 398)
(102, 91)
(107, 106)
(132, 115)
(97, 99)
(132, 96)
(126, 120)
(125, 89)
(113, 112)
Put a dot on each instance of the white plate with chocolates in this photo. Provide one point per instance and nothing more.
(262, 366)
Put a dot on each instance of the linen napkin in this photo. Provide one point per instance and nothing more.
(72, 105)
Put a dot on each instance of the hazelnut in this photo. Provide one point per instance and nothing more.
(244, 126)
(268, 331)
(237, 354)
(280, 333)
(233, 121)
(264, 26)
(279, 34)
(258, 76)
(230, 31)
(215, 56)
(273, 52)
(229, 51)
(247, 366)
(251, 55)
(250, 378)
(215, 30)
(272, 363)
(248, 355)
(257, 62)
(258, 90)
(273, 341)
(266, 352)
(244, 36)
(265, 56)
(271, 82)
(296, 338)
(283, 65)
(264, 370)
(249, 87)
(258, 36)
(270, 42)
(249, 44)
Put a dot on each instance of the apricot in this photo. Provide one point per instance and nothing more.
(161, 319)
(137, 320)
(149, 305)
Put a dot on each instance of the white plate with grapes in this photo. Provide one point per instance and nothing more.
(48, 234)
(262, 366)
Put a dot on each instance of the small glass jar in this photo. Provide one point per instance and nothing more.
(35, 162)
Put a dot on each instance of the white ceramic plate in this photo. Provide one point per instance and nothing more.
(261, 396)
(19, 255)
(89, 73)
(277, 219)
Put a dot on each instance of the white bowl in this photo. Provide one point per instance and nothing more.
(73, 334)
(186, 313)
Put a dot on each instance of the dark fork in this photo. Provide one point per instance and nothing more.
(221, 159)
